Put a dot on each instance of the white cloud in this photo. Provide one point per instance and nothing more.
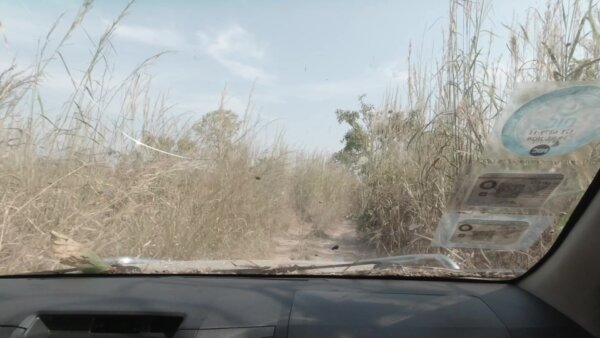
(161, 37)
(237, 50)
(244, 70)
(233, 40)
(392, 70)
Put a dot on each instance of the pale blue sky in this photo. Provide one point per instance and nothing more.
(306, 58)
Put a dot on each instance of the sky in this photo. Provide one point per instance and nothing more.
(300, 60)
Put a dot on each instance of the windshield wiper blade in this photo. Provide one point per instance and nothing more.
(443, 260)
(378, 263)
(139, 264)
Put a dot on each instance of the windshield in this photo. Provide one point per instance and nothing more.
(446, 138)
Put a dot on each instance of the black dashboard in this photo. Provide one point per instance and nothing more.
(197, 307)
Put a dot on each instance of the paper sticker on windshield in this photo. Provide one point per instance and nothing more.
(490, 231)
(555, 123)
(513, 190)
(499, 232)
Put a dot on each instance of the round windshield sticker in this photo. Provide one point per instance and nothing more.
(555, 123)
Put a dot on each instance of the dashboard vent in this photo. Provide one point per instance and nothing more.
(103, 325)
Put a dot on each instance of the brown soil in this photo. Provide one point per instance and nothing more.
(338, 242)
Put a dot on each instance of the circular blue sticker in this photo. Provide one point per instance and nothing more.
(555, 123)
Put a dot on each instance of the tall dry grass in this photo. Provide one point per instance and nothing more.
(411, 157)
(322, 190)
(119, 170)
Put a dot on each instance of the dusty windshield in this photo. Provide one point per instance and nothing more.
(403, 138)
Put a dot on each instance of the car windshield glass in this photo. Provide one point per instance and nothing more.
(446, 138)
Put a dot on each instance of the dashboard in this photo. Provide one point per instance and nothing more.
(256, 307)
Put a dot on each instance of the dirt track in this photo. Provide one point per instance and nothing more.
(306, 243)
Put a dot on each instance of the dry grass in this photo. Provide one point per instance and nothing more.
(321, 190)
(120, 171)
(413, 157)
(144, 182)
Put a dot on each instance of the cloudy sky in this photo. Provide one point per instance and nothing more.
(304, 59)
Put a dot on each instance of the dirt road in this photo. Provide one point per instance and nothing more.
(338, 242)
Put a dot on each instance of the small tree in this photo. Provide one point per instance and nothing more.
(356, 139)
(217, 130)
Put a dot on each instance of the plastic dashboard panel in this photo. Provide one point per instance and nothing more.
(344, 314)
(290, 307)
